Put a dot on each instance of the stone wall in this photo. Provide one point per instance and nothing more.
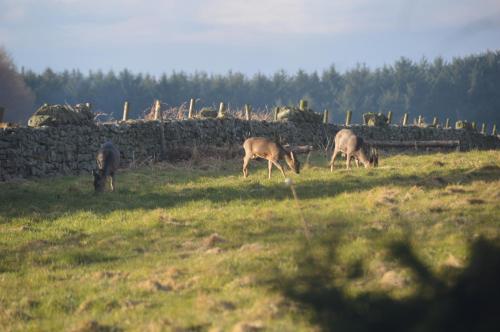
(47, 151)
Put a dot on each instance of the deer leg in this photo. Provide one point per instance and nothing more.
(334, 155)
(278, 165)
(112, 181)
(270, 168)
(348, 161)
(246, 160)
(356, 161)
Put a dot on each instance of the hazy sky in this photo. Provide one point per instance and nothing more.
(249, 36)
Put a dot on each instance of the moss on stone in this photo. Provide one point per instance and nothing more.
(57, 115)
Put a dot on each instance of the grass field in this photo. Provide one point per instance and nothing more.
(195, 247)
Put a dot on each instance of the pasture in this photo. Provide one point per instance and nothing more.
(195, 247)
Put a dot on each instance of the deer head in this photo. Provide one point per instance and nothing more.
(293, 162)
(373, 157)
(99, 180)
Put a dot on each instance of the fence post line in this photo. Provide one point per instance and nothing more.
(420, 120)
(405, 119)
(325, 116)
(125, 111)
(192, 103)
(157, 109)
(348, 118)
(474, 125)
(303, 105)
(447, 125)
(248, 112)
(275, 113)
(483, 128)
(494, 130)
(222, 110)
(435, 121)
(389, 117)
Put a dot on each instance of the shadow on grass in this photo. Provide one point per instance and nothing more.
(75, 257)
(45, 202)
(466, 300)
(63, 253)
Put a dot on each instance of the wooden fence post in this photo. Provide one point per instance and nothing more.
(447, 124)
(157, 110)
(275, 113)
(494, 131)
(405, 119)
(474, 125)
(222, 110)
(348, 118)
(125, 111)
(325, 116)
(389, 117)
(192, 103)
(420, 120)
(248, 112)
(303, 105)
(2, 111)
(483, 128)
(435, 121)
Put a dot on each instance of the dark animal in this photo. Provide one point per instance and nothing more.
(274, 153)
(354, 147)
(108, 161)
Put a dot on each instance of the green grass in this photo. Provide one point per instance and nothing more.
(145, 257)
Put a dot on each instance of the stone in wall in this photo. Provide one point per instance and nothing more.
(287, 113)
(59, 115)
(207, 113)
(375, 119)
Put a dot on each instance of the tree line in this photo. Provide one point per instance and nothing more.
(16, 99)
(465, 88)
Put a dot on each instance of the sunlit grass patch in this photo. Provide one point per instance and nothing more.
(195, 246)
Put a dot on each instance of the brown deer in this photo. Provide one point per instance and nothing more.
(274, 153)
(108, 161)
(353, 146)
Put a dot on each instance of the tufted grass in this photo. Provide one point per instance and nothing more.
(193, 248)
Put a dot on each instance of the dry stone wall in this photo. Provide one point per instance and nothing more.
(48, 151)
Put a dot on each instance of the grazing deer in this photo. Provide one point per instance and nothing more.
(108, 161)
(259, 147)
(354, 147)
